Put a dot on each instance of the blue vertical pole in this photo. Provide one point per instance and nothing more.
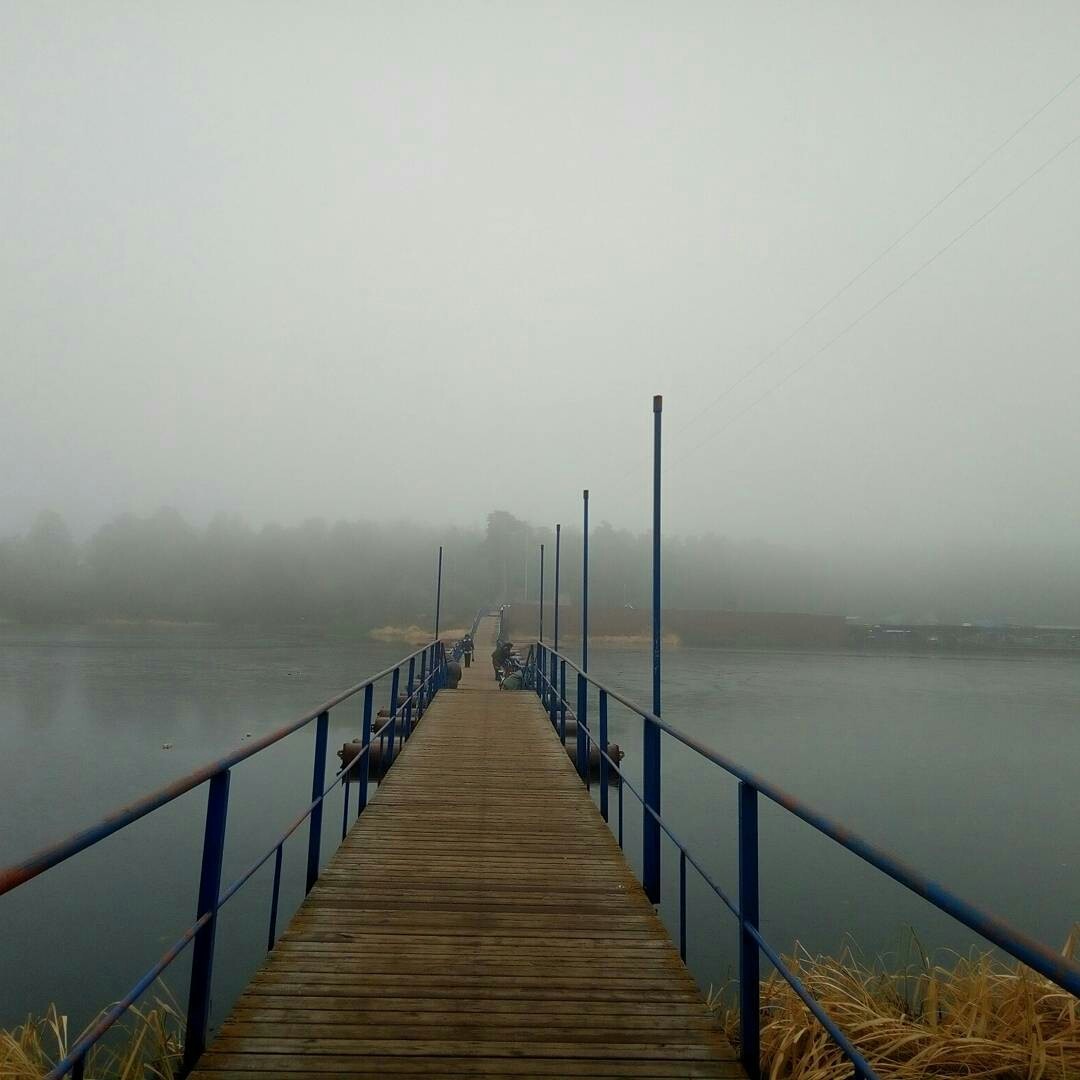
(541, 636)
(650, 831)
(749, 914)
(202, 963)
(438, 595)
(558, 558)
(541, 655)
(554, 660)
(365, 740)
(318, 781)
(585, 583)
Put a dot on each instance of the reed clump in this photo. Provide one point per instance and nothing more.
(144, 1043)
(980, 1017)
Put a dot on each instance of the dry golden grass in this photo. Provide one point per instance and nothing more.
(144, 1043)
(978, 1018)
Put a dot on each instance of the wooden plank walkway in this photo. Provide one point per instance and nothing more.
(478, 921)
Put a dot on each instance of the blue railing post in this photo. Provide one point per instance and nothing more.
(553, 699)
(650, 827)
(345, 806)
(582, 750)
(749, 960)
(365, 741)
(410, 689)
(271, 936)
(422, 695)
(682, 904)
(318, 782)
(395, 682)
(604, 766)
(562, 701)
(202, 963)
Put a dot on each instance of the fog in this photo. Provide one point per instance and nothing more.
(392, 262)
(356, 576)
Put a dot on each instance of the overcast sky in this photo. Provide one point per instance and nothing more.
(345, 259)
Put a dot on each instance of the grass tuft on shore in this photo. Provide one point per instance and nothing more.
(145, 1043)
(980, 1017)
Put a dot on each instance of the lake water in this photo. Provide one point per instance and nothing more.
(968, 768)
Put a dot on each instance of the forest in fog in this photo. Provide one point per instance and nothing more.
(362, 574)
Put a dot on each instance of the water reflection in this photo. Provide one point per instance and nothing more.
(966, 767)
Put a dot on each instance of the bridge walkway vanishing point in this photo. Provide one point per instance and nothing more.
(479, 920)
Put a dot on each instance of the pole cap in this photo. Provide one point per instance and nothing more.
(658, 403)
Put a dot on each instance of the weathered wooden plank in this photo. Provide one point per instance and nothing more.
(296, 1068)
(478, 921)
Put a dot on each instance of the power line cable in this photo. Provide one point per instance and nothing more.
(874, 307)
(882, 254)
(870, 265)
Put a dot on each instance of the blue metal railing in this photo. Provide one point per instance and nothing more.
(217, 773)
(1054, 966)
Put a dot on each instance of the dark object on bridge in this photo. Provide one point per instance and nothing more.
(613, 751)
(378, 756)
(500, 655)
(513, 681)
(453, 674)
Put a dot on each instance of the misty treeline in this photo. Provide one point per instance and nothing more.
(363, 574)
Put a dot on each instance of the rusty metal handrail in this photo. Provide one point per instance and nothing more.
(432, 672)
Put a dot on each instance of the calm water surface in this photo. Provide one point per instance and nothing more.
(968, 768)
